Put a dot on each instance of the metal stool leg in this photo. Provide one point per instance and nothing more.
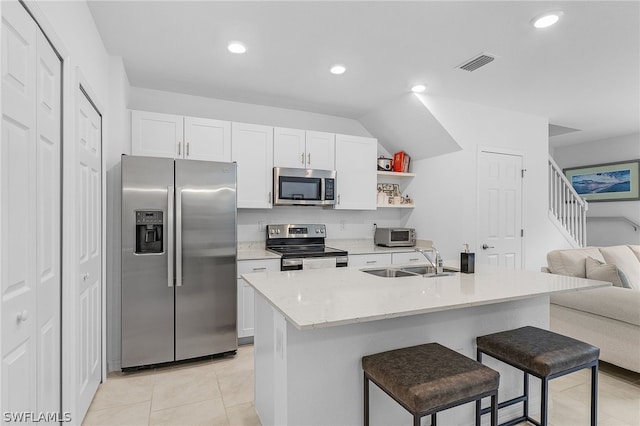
(544, 402)
(525, 392)
(594, 395)
(366, 400)
(494, 410)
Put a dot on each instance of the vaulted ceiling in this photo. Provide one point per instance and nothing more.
(583, 73)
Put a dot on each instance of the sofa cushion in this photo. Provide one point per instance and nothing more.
(610, 302)
(572, 262)
(624, 258)
(597, 270)
(635, 250)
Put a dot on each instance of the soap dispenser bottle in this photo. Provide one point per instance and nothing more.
(467, 260)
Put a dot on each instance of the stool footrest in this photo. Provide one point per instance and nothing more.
(505, 404)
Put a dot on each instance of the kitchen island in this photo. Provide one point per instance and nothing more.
(313, 327)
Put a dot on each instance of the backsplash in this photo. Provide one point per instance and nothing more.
(340, 224)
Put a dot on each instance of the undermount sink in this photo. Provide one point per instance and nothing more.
(388, 273)
(411, 271)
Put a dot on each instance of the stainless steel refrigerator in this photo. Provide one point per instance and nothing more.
(178, 259)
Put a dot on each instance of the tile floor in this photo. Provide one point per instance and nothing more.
(220, 392)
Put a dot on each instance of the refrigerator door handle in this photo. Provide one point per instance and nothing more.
(178, 237)
(169, 234)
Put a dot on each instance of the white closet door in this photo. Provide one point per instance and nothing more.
(48, 113)
(18, 209)
(88, 289)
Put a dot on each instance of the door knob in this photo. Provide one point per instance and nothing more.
(485, 246)
(22, 316)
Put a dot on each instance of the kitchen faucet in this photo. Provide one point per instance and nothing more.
(437, 265)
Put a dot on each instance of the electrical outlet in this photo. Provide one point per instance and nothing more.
(261, 225)
(342, 225)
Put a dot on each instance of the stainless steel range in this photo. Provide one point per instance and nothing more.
(302, 247)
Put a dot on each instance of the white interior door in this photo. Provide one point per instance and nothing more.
(18, 214)
(48, 279)
(500, 209)
(88, 293)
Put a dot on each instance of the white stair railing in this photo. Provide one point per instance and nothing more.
(566, 206)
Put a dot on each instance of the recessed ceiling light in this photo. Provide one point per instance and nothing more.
(338, 69)
(418, 88)
(546, 19)
(236, 47)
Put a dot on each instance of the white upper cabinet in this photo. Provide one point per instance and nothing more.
(207, 139)
(356, 169)
(156, 135)
(252, 149)
(303, 149)
(321, 150)
(174, 136)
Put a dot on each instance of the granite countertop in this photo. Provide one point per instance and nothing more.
(317, 298)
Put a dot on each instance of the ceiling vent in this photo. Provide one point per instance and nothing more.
(476, 62)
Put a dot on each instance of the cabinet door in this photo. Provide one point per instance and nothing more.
(156, 135)
(289, 148)
(207, 139)
(252, 149)
(356, 172)
(372, 260)
(320, 150)
(246, 293)
(408, 257)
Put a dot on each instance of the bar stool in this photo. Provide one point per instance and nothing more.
(542, 354)
(426, 379)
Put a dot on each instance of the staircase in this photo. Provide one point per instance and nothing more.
(567, 210)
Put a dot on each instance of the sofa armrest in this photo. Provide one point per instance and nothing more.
(622, 304)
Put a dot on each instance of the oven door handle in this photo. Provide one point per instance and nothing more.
(291, 262)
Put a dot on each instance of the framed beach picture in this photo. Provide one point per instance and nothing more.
(606, 182)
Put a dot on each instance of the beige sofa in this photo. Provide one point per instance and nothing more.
(606, 317)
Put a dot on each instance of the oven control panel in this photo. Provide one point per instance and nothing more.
(296, 231)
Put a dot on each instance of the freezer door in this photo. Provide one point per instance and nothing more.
(147, 261)
(205, 258)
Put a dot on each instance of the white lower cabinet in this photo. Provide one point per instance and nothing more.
(245, 292)
(370, 259)
(407, 257)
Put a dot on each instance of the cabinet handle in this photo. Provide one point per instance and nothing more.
(187, 149)
(309, 158)
(371, 261)
(260, 269)
(302, 158)
(413, 259)
(179, 149)
(338, 198)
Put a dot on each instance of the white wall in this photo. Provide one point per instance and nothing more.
(445, 186)
(197, 106)
(622, 148)
(120, 123)
(340, 224)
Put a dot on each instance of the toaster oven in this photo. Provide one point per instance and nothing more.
(395, 237)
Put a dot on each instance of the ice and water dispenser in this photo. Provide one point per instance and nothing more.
(149, 232)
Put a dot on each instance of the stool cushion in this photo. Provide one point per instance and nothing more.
(429, 376)
(539, 351)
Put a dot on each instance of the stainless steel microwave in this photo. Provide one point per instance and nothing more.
(395, 237)
(303, 187)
